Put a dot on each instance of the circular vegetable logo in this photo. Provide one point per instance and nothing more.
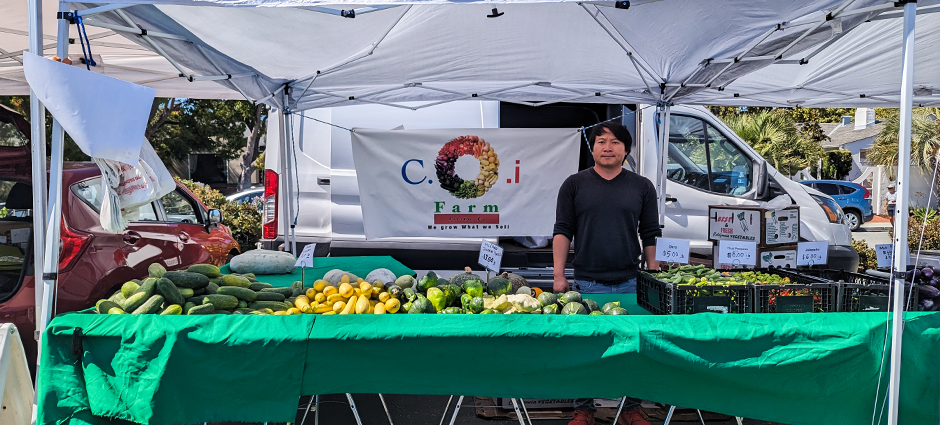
(447, 158)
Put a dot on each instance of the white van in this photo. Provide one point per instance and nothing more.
(726, 170)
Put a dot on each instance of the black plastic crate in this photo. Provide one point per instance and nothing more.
(804, 293)
(866, 293)
(660, 297)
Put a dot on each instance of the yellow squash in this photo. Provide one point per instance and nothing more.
(380, 308)
(302, 303)
(330, 290)
(362, 305)
(346, 290)
(320, 284)
(350, 306)
(392, 305)
(339, 306)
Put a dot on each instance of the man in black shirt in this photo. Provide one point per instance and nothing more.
(607, 210)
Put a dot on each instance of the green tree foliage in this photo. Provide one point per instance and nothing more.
(773, 134)
(799, 115)
(925, 141)
(179, 127)
(836, 165)
(14, 118)
(243, 220)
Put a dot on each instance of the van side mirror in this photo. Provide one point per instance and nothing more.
(761, 179)
(214, 218)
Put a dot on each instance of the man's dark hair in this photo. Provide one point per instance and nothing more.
(618, 130)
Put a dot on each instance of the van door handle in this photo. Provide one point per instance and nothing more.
(671, 199)
(131, 237)
(323, 181)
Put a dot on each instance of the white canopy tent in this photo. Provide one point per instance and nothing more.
(118, 57)
(298, 55)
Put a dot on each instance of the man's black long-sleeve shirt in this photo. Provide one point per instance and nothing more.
(604, 217)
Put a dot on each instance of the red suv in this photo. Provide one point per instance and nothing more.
(176, 231)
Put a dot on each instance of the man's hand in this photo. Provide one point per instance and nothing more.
(649, 255)
(560, 285)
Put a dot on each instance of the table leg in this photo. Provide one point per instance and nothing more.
(525, 411)
(620, 408)
(453, 418)
(384, 406)
(316, 412)
(446, 408)
(307, 410)
(352, 405)
(700, 416)
(515, 406)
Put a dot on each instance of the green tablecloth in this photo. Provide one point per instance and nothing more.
(791, 368)
(359, 266)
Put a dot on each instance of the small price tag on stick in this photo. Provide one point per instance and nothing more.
(305, 259)
(737, 253)
(672, 250)
(885, 254)
(491, 255)
(812, 253)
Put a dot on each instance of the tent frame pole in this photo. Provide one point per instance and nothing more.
(900, 215)
(663, 155)
(37, 120)
(50, 261)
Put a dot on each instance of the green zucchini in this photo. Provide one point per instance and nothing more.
(232, 280)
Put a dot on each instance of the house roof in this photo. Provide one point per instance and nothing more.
(841, 135)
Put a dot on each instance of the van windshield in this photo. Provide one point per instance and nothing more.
(702, 157)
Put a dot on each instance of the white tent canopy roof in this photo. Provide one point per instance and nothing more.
(434, 51)
(119, 57)
(860, 69)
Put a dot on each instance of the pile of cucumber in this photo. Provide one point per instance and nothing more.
(201, 289)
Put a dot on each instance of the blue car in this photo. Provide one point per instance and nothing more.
(854, 199)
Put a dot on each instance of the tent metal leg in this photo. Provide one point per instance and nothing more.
(901, 216)
(740, 420)
(352, 405)
(700, 418)
(316, 411)
(672, 409)
(453, 418)
(515, 405)
(385, 406)
(446, 408)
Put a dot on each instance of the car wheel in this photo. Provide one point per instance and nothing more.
(853, 220)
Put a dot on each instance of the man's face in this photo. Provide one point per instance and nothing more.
(608, 150)
(891, 189)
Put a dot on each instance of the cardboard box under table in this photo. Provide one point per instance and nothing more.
(754, 224)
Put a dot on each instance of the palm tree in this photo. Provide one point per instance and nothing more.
(775, 137)
(925, 142)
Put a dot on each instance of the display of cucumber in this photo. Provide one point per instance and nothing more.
(151, 306)
(221, 302)
(169, 291)
(201, 309)
(187, 279)
(212, 288)
(103, 306)
(128, 288)
(208, 270)
(156, 270)
(172, 310)
(273, 305)
(232, 280)
(286, 292)
(238, 292)
(257, 286)
(186, 292)
(147, 286)
(188, 306)
(134, 301)
(269, 296)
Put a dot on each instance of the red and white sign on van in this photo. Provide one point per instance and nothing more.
(462, 182)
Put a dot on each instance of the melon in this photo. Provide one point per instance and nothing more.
(383, 275)
(335, 276)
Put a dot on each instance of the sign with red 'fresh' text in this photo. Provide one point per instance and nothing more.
(462, 182)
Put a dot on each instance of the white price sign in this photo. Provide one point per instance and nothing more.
(812, 253)
(672, 250)
(885, 254)
(737, 253)
(305, 259)
(491, 255)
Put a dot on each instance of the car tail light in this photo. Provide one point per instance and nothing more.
(867, 193)
(269, 228)
(73, 243)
